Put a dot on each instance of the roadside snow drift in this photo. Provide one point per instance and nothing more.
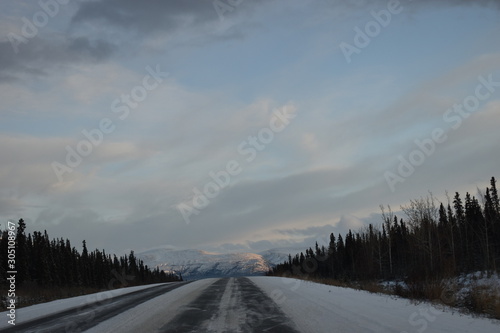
(321, 308)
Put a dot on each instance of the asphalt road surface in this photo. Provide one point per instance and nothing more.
(89, 315)
(231, 305)
(224, 305)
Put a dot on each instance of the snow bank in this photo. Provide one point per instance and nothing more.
(321, 308)
(40, 310)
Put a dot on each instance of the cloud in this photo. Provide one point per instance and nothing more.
(153, 16)
(90, 50)
(146, 16)
(298, 239)
(163, 26)
(349, 222)
(40, 56)
(365, 3)
(28, 181)
(11, 207)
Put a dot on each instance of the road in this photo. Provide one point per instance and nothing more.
(231, 305)
(256, 304)
(218, 305)
(89, 315)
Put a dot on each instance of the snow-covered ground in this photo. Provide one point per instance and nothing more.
(321, 308)
(460, 289)
(465, 284)
(41, 310)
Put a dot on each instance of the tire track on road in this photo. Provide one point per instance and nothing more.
(231, 305)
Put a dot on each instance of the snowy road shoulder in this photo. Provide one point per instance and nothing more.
(37, 311)
(321, 308)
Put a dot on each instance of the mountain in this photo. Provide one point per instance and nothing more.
(197, 264)
(279, 255)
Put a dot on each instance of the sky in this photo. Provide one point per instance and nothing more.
(240, 125)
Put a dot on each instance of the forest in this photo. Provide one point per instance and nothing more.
(49, 269)
(433, 241)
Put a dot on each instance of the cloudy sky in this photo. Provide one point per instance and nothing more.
(240, 124)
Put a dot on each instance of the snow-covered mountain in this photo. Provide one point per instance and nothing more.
(197, 264)
(280, 255)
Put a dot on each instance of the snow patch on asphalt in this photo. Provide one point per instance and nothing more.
(227, 316)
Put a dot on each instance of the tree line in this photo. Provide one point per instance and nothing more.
(55, 263)
(431, 242)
